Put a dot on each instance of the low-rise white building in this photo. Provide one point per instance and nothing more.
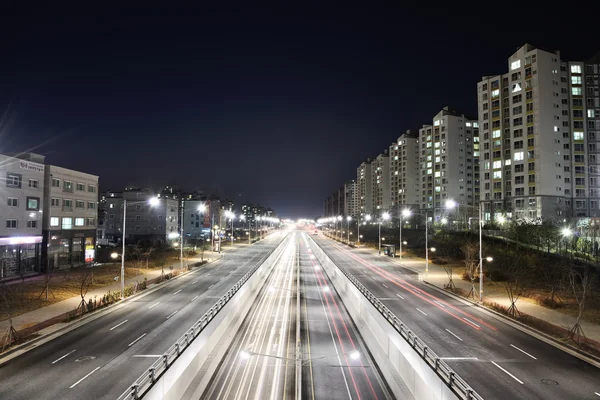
(21, 206)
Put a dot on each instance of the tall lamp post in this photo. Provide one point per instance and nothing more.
(404, 213)
(348, 219)
(339, 218)
(385, 216)
(450, 204)
(231, 216)
(153, 202)
(243, 218)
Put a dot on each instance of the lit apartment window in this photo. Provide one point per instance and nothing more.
(515, 64)
(519, 156)
(576, 91)
(577, 135)
(54, 221)
(67, 223)
(575, 69)
(79, 221)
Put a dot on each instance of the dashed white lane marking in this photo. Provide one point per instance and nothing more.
(385, 286)
(453, 334)
(467, 319)
(57, 360)
(196, 281)
(508, 373)
(597, 394)
(373, 276)
(118, 325)
(79, 381)
(211, 286)
(195, 297)
(154, 305)
(400, 296)
(221, 279)
(135, 341)
(421, 312)
(523, 351)
(173, 313)
(443, 306)
(177, 292)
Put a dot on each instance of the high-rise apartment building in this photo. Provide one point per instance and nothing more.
(349, 198)
(539, 139)
(404, 171)
(380, 171)
(591, 73)
(449, 159)
(364, 188)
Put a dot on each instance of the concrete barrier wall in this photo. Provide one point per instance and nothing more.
(400, 364)
(198, 357)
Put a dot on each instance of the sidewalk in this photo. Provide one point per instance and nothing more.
(40, 315)
(438, 277)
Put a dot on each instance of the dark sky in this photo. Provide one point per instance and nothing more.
(278, 104)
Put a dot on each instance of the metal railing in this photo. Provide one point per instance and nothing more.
(158, 368)
(441, 368)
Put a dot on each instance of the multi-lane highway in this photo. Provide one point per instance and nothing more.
(497, 360)
(100, 359)
(261, 362)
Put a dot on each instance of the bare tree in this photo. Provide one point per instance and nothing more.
(516, 270)
(580, 284)
(47, 289)
(553, 276)
(449, 268)
(147, 254)
(10, 335)
(86, 281)
(470, 251)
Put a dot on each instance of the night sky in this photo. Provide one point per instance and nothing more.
(270, 105)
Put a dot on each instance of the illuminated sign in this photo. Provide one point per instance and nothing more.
(31, 166)
(20, 240)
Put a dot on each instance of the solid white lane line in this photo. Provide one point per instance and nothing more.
(57, 360)
(523, 351)
(79, 381)
(443, 306)
(400, 296)
(195, 297)
(385, 286)
(453, 334)
(146, 355)
(173, 313)
(508, 373)
(118, 325)
(154, 305)
(211, 286)
(467, 319)
(135, 341)
(421, 312)
(177, 292)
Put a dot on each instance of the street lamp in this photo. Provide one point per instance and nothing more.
(348, 219)
(231, 216)
(339, 218)
(404, 213)
(450, 204)
(385, 216)
(367, 218)
(153, 202)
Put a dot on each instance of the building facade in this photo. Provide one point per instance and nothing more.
(196, 220)
(349, 199)
(592, 115)
(70, 217)
(534, 138)
(449, 161)
(404, 171)
(380, 181)
(156, 223)
(21, 211)
(364, 188)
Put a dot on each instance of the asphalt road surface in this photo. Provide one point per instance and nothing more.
(495, 359)
(102, 358)
(261, 362)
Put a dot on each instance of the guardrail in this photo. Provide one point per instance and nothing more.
(151, 375)
(441, 368)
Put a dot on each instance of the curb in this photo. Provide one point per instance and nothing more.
(590, 359)
(22, 348)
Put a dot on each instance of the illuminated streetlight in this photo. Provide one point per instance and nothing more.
(406, 214)
(444, 221)
(489, 259)
(385, 216)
